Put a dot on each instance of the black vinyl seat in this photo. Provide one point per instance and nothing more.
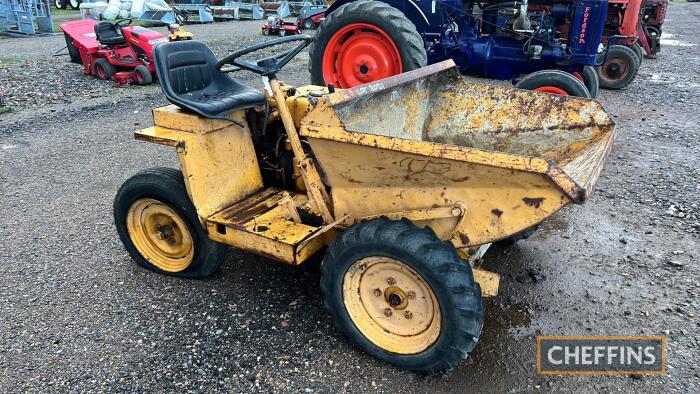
(189, 79)
(108, 34)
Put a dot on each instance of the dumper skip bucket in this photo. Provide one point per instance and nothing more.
(427, 139)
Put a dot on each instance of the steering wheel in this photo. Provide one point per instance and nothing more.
(123, 23)
(268, 66)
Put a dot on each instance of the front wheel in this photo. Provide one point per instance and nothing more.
(60, 4)
(620, 68)
(589, 76)
(554, 82)
(103, 69)
(142, 75)
(282, 33)
(309, 24)
(74, 4)
(402, 295)
(362, 42)
(159, 226)
(639, 51)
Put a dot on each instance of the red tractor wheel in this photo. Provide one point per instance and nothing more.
(142, 75)
(619, 69)
(554, 82)
(102, 69)
(362, 42)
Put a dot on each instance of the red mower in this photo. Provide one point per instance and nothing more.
(312, 19)
(277, 26)
(115, 51)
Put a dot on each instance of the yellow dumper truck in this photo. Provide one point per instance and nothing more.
(402, 183)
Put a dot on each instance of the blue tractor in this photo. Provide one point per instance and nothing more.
(554, 43)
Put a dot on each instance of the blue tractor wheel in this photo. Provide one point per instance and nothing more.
(554, 82)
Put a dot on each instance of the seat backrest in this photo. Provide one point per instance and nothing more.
(106, 30)
(185, 66)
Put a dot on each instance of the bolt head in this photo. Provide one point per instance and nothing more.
(408, 315)
(377, 292)
(390, 281)
(387, 312)
(456, 211)
(411, 295)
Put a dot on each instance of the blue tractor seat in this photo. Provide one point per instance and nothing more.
(189, 79)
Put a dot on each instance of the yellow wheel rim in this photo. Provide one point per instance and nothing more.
(391, 305)
(160, 235)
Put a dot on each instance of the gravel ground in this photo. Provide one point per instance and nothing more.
(78, 315)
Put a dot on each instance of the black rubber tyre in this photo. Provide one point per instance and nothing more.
(309, 24)
(436, 261)
(167, 186)
(385, 17)
(61, 4)
(556, 79)
(590, 79)
(72, 50)
(525, 234)
(74, 4)
(102, 69)
(265, 32)
(142, 75)
(620, 69)
(282, 33)
(639, 51)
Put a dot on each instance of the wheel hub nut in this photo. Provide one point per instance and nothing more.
(408, 315)
(411, 295)
(377, 292)
(390, 281)
(387, 312)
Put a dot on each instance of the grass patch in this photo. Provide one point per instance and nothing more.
(6, 110)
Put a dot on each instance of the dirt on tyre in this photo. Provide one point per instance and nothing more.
(402, 295)
(159, 227)
(639, 51)
(362, 42)
(102, 69)
(142, 75)
(620, 68)
(554, 82)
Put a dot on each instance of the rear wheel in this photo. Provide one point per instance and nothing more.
(309, 24)
(142, 75)
(74, 4)
(159, 227)
(282, 33)
(72, 50)
(402, 295)
(362, 42)
(554, 82)
(60, 4)
(266, 32)
(620, 69)
(102, 69)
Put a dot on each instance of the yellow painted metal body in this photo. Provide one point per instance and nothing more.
(223, 179)
(427, 139)
(476, 163)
